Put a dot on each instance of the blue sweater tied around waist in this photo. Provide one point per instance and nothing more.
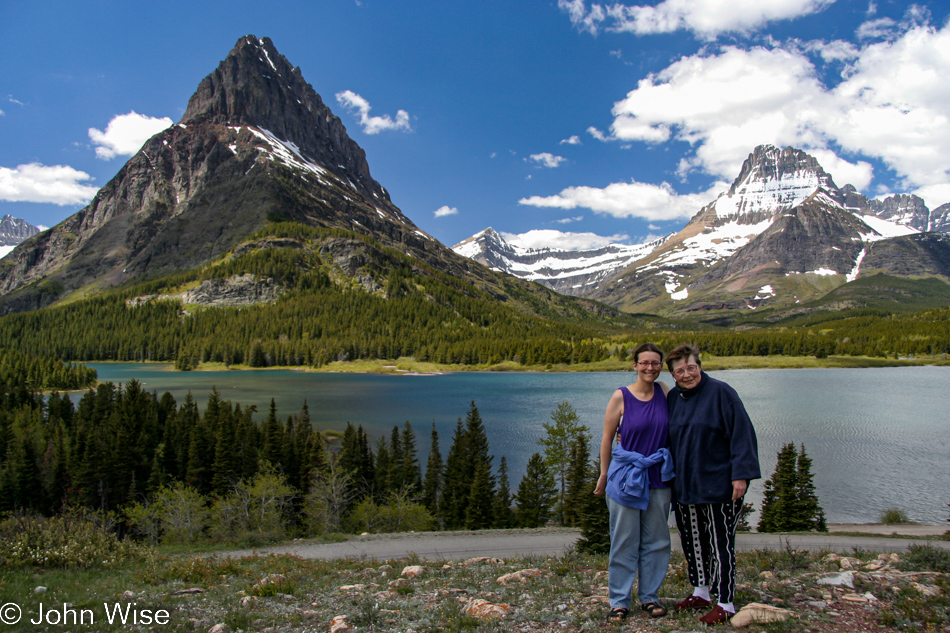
(628, 482)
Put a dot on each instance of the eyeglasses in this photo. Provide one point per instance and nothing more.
(682, 371)
(650, 363)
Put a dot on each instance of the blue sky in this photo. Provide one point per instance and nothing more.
(599, 121)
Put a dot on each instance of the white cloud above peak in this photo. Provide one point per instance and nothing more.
(125, 134)
(372, 124)
(54, 184)
(445, 210)
(705, 18)
(890, 104)
(633, 199)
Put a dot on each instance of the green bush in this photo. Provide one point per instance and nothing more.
(894, 516)
(399, 514)
(926, 558)
(76, 538)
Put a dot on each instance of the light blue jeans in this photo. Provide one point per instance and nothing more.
(639, 542)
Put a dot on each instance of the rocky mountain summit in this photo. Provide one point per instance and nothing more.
(783, 233)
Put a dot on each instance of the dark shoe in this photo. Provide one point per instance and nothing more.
(717, 616)
(617, 615)
(655, 609)
(693, 602)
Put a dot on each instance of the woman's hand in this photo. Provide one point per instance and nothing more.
(601, 485)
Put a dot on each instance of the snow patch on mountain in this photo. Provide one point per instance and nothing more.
(568, 271)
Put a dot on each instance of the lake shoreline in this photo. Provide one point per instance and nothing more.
(410, 367)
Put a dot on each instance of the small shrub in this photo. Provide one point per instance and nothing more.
(76, 538)
(894, 516)
(926, 558)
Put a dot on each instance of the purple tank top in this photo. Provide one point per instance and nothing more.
(645, 427)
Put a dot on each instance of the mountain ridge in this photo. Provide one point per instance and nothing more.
(782, 233)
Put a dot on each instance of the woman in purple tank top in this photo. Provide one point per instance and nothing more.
(635, 476)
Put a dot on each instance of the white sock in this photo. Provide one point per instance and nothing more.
(728, 606)
(701, 592)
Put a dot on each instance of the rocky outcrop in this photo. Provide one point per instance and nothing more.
(239, 290)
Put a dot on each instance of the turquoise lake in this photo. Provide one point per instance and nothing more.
(879, 438)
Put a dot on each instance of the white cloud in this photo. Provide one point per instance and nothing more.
(56, 184)
(934, 195)
(548, 160)
(880, 28)
(891, 104)
(629, 200)
(445, 210)
(125, 134)
(859, 174)
(705, 18)
(569, 220)
(2, 113)
(372, 124)
(549, 238)
(574, 140)
(597, 134)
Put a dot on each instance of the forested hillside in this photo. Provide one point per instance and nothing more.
(401, 307)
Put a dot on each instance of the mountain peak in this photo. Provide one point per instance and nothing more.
(256, 86)
(770, 181)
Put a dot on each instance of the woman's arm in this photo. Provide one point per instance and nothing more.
(611, 422)
(665, 387)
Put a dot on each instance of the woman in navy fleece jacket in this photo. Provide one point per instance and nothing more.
(715, 453)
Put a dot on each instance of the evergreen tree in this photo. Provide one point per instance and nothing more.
(410, 473)
(455, 490)
(537, 494)
(579, 487)
(790, 503)
(503, 517)
(807, 508)
(432, 487)
(592, 516)
(272, 437)
(478, 514)
(559, 435)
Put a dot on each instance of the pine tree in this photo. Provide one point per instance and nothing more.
(809, 512)
(537, 494)
(790, 503)
(593, 517)
(478, 514)
(432, 486)
(410, 473)
(503, 517)
(456, 485)
(578, 480)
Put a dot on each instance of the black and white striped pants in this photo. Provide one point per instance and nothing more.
(708, 535)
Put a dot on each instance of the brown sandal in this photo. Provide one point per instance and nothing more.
(617, 615)
(655, 609)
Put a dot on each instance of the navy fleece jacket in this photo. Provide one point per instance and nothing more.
(712, 442)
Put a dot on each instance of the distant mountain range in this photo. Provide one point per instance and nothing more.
(783, 234)
(13, 231)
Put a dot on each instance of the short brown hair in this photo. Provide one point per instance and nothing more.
(683, 351)
(647, 347)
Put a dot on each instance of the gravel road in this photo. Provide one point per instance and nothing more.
(556, 541)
